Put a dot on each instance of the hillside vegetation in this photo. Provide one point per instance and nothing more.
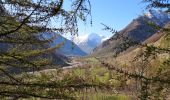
(38, 63)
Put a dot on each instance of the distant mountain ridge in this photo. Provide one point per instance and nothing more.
(89, 41)
(68, 48)
(137, 31)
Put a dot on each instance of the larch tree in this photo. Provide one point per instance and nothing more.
(24, 49)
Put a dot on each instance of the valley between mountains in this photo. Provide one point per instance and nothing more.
(134, 61)
(39, 62)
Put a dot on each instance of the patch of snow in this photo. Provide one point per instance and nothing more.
(80, 39)
(93, 37)
(88, 42)
(158, 16)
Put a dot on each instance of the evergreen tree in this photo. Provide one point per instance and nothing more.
(24, 49)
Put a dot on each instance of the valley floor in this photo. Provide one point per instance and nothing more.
(102, 81)
(108, 85)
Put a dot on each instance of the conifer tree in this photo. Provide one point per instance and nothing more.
(24, 49)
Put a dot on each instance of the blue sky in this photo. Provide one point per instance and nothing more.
(114, 13)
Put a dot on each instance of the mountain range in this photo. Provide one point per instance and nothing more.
(138, 31)
(143, 29)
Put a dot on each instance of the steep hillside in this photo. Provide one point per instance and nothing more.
(160, 39)
(157, 36)
(164, 41)
(137, 31)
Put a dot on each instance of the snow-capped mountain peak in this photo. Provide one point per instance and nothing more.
(88, 42)
(90, 37)
(80, 39)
